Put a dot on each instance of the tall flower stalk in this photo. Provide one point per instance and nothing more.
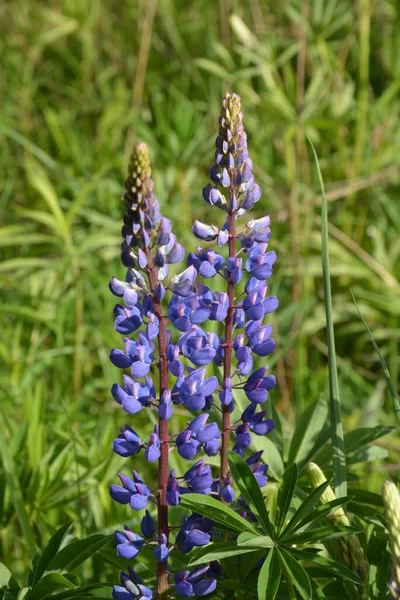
(168, 366)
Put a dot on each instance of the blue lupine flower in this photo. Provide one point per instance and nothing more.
(127, 443)
(199, 478)
(131, 588)
(133, 492)
(259, 469)
(199, 347)
(259, 264)
(258, 386)
(138, 355)
(256, 421)
(127, 319)
(226, 395)
(173, 495)
(195, 531)
(189, 584)
(259, 338)
(195, 388)
(208, 233)
(147, 526)
(206, 262)
(243, 439)
(152, 452)
(184, 312)
(182, 284)
(161, 552)
(198, 434)
(243, 355)
(128, 543)
(227, 492)
(234, 268)
(133, 396)
(165, 406)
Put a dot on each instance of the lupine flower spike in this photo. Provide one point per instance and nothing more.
(154, 355)
(391, 500)
(349, 548)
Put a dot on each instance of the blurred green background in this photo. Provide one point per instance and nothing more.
(80, 82)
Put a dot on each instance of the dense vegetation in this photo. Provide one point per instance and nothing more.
(80, 83)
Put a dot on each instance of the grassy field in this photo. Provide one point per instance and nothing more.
(80, 82)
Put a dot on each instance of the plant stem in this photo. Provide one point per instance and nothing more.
(162, 574)
(226, 418)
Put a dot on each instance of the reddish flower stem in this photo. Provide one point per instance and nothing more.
(162, 574)
(226, 417)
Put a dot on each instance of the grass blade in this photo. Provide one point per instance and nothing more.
(338, 454)
(393, 393)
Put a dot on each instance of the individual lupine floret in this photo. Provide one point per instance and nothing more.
(195, 531)
(152, 452)
(206, 262)
(205, 232)
(133, 492)
(257, 386)
(255, 304)
(259, 338)
(127, 443)
(199, 478)
(161, 552)
(227, 492)
(138, 355)
(255, 420)
(194, 389)
(259, 264)
(184, 312)
(134, 395)
(173, 494)
(129, 543)
(391, 500)
(127, 319)
(148, 526)
(198, 346)
(258, 468)
(131, 588)
(194, 583)
(198, 434)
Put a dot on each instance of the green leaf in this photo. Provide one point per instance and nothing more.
(76, 553)
(5, 576)
(310, 434)
(304, 509)
(293, 570)
(254, 541)
(323, 511)
(217, 511)
(49, 584)
(327, 563)
(269, 577)
(337, 442)
(285, 495)
(50, 551)
(250, 490)
(218, 552)
(320, 533)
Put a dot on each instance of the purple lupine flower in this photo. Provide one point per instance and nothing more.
(227, 492)
(198, 346)
(195, 531)
(259, 338)
(184, 312)
(161, 552)
(204, 232)
(131, 588)
(127, 443)
(138, 355)
(257, 423)
(133, 492)
(189, 584)
(165, 405)
(194, 389)
(152, 452)
(147, 526)
(198, 434)
(259, 469)
(133, 396)
(225, 394)
(128, 543)
(206, 262)
(182, 284)
(258, 386)
(127, 319)
(199, 478)
(173, 495)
